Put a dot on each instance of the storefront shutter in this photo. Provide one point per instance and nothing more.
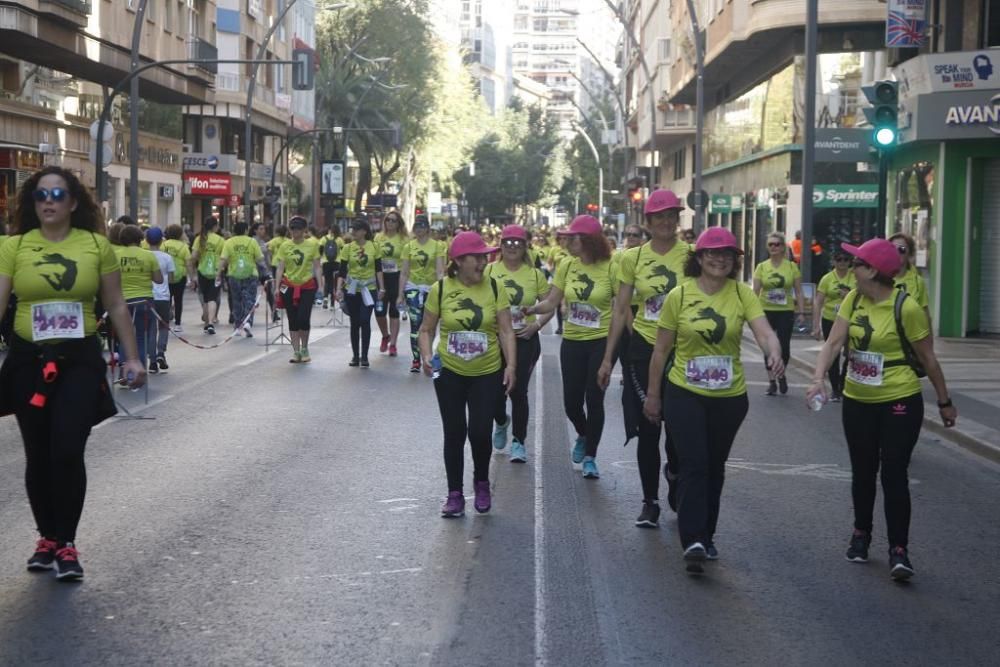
(989, 294)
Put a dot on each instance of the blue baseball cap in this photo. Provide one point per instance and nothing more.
(154, 235)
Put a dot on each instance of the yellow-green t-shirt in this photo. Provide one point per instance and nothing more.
(834, 289)
(652, 277)
(361, 260)
(873, 342)
(913, 284)
(468, 343)
(180, 253)
(777, 284)
(525, 287)
(588, 291)
(274, 246)
(208, 256)
(709, 330)
(242, 254)
(66, 271)
(391, 251)
(137, 267)
(423, 260)
(298, 259)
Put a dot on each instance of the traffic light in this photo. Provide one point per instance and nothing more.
(883, 115)
(591, 208)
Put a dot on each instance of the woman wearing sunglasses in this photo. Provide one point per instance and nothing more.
(648, 272)
(53, 378)
(390, 243)
(776, 282)
(830, 293)
(909, 279)
(525, 285)
(704, 399)
(360, 285)
(883, 407)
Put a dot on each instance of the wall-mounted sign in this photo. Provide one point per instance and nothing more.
(165, 192)
(948, 72)
(209, 162)
(842, 144)
(151, 153)
(333, 178)
(967, 115)
(207, 184)
(863, 195)
(906, 23)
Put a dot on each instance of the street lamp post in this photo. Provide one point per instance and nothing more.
(133, 103)
(699, 102)
(809, 138)
(600, 170)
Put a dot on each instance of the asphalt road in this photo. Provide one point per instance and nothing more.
(272, 514)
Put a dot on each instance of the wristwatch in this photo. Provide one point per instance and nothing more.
(946, 404)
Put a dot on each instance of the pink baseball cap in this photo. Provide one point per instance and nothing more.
(717, 237)
(877, 253)
(582, 224)
(662, 200)
(514, 232)
(469, 243)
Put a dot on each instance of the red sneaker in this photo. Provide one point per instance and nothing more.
(392, 350)
(385, 345)
(45, 555)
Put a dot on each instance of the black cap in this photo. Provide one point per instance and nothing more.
(421, 221)
(297, 222)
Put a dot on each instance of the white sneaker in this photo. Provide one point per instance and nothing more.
(247, 331)
(178, 328)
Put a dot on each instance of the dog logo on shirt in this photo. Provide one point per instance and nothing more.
(714, 335)
(362, 256)
(298, 257)
(422, 258)
(777, 281)
(473, 323)
(583, 293)
(63, 277)
(516, 293)
(862, 342)
(660, 271)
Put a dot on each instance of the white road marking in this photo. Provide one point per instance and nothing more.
(399, 500)
(539, 410)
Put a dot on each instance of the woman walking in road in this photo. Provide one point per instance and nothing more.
(423, 263)
(177, 248)
(888, 338)
(703, 399)
(830, 293)
(205, 259)
(584, 279)
(139, 270)
(159, 326)
(525, 286)
(471, 374)
(776, 281)
(298, 277)
(390, 243)
(53, 377)
(241, 261)
(909, 279)
(361, 284)
(274, 247)
(647, 273)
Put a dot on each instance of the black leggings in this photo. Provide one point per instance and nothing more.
(782, 322)
(391, 282)
(703, 429)
(299, 314)
(177, 298)
(330, 271)
(836, 372)
(477, 394)
(580, 361)
(361, 324)
(882, 434)
(648, 450)
(528, 352)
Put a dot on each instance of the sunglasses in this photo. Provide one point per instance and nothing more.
(57, 194)
(634, 235)
(512, 243)
(902, 249)
(720, 253)
(773, 244)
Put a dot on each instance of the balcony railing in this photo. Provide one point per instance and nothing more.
(78, 6)
(199, 49)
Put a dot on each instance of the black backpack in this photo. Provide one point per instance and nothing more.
(331, 249)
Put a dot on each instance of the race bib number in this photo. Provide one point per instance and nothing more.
(777, 297)
(389, 266)
(467, 345)
(584, 315)
(865, 368)
(711, 372)
(518, 318)
(654, 305)
(56, 320)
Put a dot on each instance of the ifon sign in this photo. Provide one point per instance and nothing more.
(208, 184)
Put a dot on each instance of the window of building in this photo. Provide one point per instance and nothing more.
(168, 15)
(991, 23)
(520, 23)
(679, 164)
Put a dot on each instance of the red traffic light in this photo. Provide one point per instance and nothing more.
(591, 207)
(636, 195)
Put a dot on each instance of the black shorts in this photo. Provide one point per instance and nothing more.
(208, 289)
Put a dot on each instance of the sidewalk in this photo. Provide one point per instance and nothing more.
(972, 370)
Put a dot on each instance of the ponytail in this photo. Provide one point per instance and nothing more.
(207, 225)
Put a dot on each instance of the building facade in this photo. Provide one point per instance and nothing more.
(485, 28)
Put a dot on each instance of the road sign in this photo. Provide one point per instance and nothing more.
(694, 201)
(106, 154)
(109, 131)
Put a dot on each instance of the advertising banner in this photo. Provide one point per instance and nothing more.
(864, 195)
(906, 23)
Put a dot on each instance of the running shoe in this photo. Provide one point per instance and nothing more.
(68, 566)
(364, 362)
(649, 517)
(161, 361)
(500, 434)
(304, 356)
(326, 303)
(415, 366)
(232, 319)
(44, 557)
(178, 328)
(247, 331)
(835, 398)
(857, 552)
(454, 506)
(518, 453)
(579, 450)
(354, 362)
(210, 329)
(483, 501)
(392, 351)
(772, 388)
(384, 345)
(236, 332)
(695, 557)
(590, 468)
(296, 358)
(153, 368)
(899, 564)
(276, 318)
(783, 385)
(711, 553)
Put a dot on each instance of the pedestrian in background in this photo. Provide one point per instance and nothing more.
(883, 407)
(204, 264)
(360, 286)
(242, 261)
(477, 353)
(423, 264)
(176, 246)
(299, 277)
(159, 324)
(274, 246)
(53, 377)
(390, 243)
(909, 278)
(777, 282)
(139, 270)
(331, 244)
(525, 286)
(830, 293)
(585, 280)
(703, 397)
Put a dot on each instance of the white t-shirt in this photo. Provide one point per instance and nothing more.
(161, 291)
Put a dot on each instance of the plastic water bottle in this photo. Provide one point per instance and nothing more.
(817, 402)
(436, 366)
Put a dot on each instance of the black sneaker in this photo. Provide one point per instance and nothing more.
(68, 566)
(857, 552)
(649, 516)
(210, 329)
(354, 363)
(153, 368)
(695, 556)
(364, 362)
(711, 553)
(44, 557)
(899, 564)
(162, 363)
(772, 388)
(783, 385)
